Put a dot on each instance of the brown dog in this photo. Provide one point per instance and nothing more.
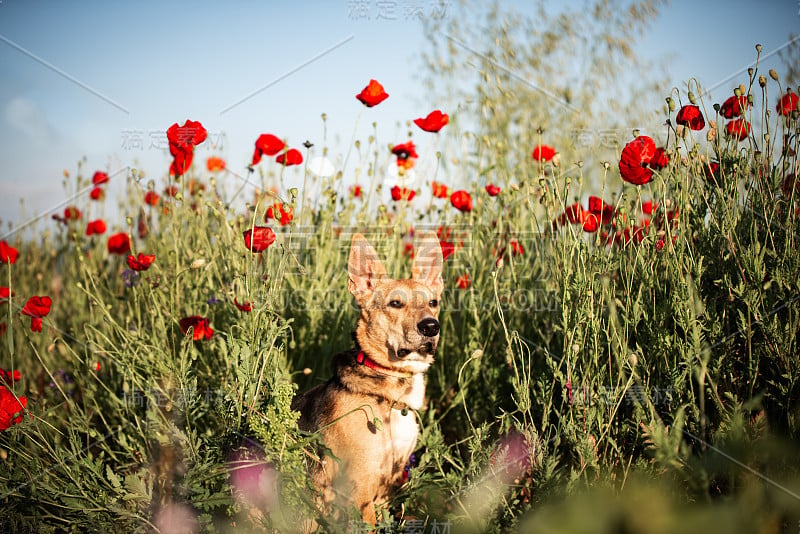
(365, 412)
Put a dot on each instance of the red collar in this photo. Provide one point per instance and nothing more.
(363, 359)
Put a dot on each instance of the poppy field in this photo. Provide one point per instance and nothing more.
(619, 346)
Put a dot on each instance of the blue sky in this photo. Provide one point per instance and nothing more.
(81, 81)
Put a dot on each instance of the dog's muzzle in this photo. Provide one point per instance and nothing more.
(428, 327)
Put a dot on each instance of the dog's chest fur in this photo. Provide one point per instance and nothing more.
(375, 428)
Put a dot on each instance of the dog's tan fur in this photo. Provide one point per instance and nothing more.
(365, 414)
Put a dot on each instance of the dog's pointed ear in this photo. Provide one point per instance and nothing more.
(364, 268)
(427, 267)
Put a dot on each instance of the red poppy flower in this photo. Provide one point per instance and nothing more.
(71, 213)
(171, 190)
(182, 140)
(493, 190)
(214, 164)
(516, 248)
(97, 193)
(244, 306)
(435, 121)
(443, 232)
(97, 227)
(8, 254)
(649, 207)
(5, 293)
(598, 207)
(690, 115)
(448, 249)
(461, 200)
(790, 185)
(142, 263)
(660, 159)
(739, 128)
(10, 376)
(119, 244)
(151, 198)
(408, 250)
(199, 326)
(634, 160)
(403, 193)
(291, 157)
(711, 170)
(463, 281)
(574, 213)
(355, 190)
(405, 152)
(11, 408)
(257, 239)
(36, 308)
(543, 153)
(372, 95)
(277, 212)
(181, 162)
(591, 222)
(186, 137)
(641, 230)
(267, 145)
(100, 177)
(787, 104)
(439, 190)
(733, 106)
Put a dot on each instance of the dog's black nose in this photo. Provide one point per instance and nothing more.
(428, 327)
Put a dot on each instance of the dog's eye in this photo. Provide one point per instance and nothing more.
(434, 303)
(395, 304)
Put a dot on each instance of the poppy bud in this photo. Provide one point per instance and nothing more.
(636, 133)
(750, 72)
(758, 48)
(324, 116)
(750, 99)
(692, 99)
(671, 103)
(737, 91)
(716, 107)
(773, 74)
(762, 81)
